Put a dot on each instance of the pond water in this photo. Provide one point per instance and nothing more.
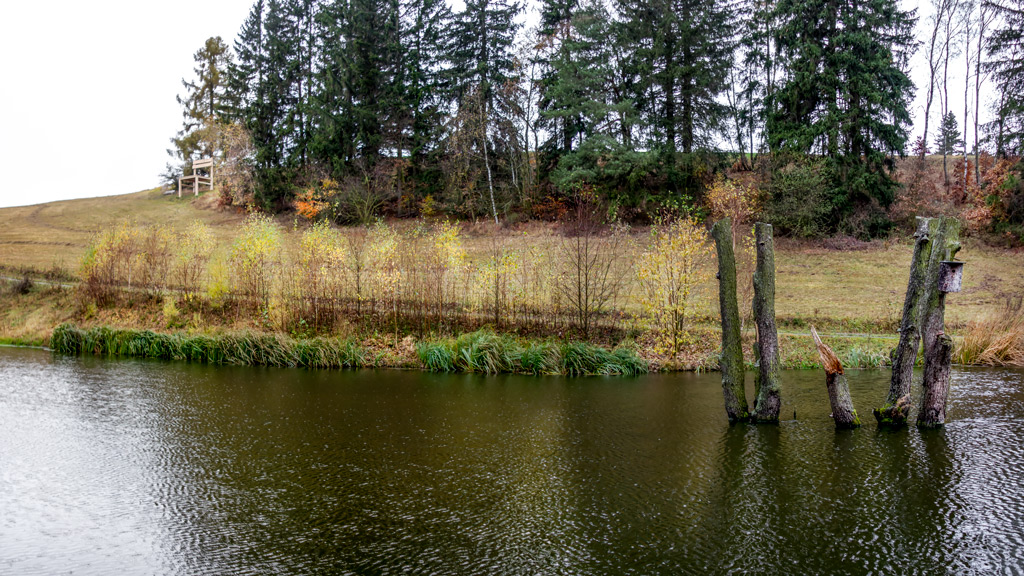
(141, 467)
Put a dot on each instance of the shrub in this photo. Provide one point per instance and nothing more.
(800, 198)
(671, 272)
(255, 257)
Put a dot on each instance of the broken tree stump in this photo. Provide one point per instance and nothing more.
(938, 348)
(767, 401)
(843, 412)
(731, 362)
(894, 412)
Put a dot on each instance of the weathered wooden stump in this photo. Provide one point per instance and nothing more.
(767, 401)
(935, 393)
(731, 362)
(843, 412)
(897, 403)
(938, 348)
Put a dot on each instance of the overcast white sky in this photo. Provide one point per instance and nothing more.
(87, 97)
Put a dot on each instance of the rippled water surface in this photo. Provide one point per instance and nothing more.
(136, 467)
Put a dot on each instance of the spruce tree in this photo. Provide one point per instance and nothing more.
(1006, 52)
(681, 52)
(480, 50)
(949, 139)
(423, 25)
(575, 102)
(845, 95)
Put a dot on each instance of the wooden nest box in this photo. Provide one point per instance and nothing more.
(950, 276)
(197, 178)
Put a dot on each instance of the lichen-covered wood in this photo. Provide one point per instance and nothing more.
(938, 348)
(894, 411)
(767, 401)
(843, 412)
(731, 362)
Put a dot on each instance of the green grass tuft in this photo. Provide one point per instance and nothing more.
(244, 348)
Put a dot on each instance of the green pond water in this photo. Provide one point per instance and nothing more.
(143, 467)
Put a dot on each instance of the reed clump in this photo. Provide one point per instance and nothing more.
(243, 348)
(994, 339)
(485, 352)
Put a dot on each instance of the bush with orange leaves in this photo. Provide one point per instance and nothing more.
(998, 204)
(317, 201)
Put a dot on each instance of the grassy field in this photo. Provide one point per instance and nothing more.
(842, 287)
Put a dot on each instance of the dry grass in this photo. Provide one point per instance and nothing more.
(42, 235)
(994, 339)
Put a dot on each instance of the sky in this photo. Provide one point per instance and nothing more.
(88, 91)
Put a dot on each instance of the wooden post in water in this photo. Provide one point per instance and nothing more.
(766, 391)
(938, 348)
(843, 412)
(897, 403)
(731, 362)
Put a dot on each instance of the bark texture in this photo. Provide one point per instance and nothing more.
(843, 412)
(932, 413)
(897, 403)
(938, 348)
(766, 394)
(731, 362)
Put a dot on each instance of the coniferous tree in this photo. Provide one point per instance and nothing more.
(332, 138)
(681, 52)
(1006, 52)
(480, 50)
(203, 103)
(423, 24)
(948, 140)
(845, 95)
(576, 104)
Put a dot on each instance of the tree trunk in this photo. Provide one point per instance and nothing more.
(843, 412)
(937, 358)
(766, 393)
(731, 362)
(932, 413)
(897, 403)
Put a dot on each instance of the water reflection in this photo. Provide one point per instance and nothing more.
(148, 467)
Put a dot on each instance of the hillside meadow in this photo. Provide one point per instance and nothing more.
(853, 290)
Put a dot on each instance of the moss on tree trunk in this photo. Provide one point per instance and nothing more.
(766, 394)
(938, 348)
(731, 361)
(897, 403)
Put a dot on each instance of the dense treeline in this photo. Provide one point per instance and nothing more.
(347, 108)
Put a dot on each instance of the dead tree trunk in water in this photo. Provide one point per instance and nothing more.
(932, 413)
(938, 348)
(766, 393)
(897, 403)
(843, 412)
(731, 362)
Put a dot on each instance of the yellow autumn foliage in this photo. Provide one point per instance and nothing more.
(670, 273)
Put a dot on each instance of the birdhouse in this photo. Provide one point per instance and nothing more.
(950, 276)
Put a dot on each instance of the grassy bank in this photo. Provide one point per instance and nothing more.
(393, 285)
(482, 352)
(30, 318)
